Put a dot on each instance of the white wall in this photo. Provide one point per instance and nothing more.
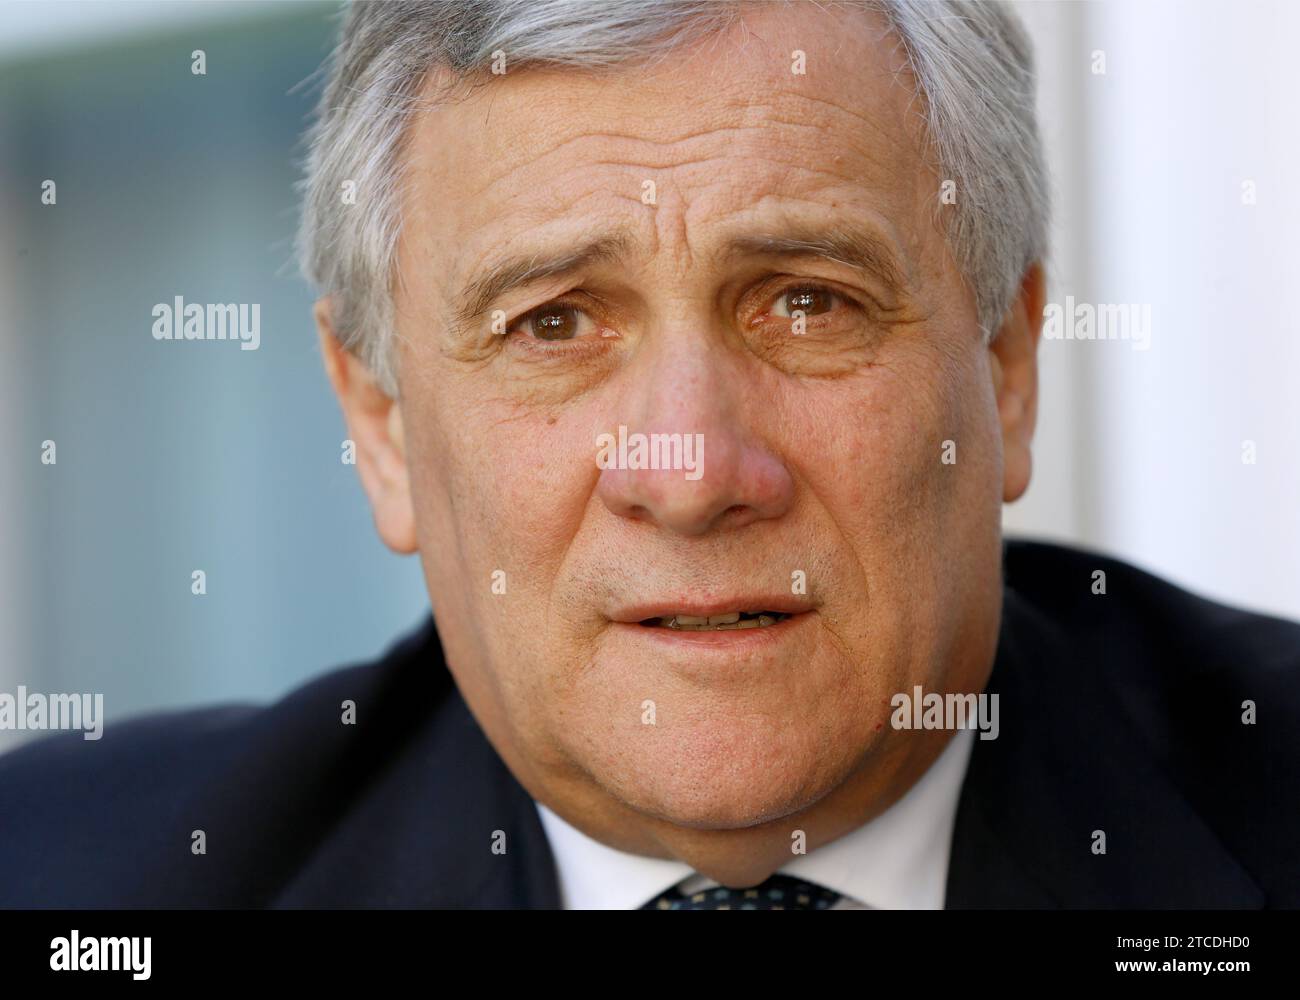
(1140, 452)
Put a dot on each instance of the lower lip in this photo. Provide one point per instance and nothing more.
(746, 639)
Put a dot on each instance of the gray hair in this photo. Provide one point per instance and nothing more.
(971, 60)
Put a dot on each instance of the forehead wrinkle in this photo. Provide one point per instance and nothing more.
(857, 154)
(859, 133)
(771, 115)
(781, 170)
(630, 149)
(556, 110)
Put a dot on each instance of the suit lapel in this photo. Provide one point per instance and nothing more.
(477, 828)
(493, 811)
(436, 820)
(1067, 763)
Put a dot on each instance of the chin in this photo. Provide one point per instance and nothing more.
(728, 780)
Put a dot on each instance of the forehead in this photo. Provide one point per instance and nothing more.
(727, 130)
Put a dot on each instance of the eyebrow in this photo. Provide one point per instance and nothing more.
(859, 248)
(514, 272)
(856, 247)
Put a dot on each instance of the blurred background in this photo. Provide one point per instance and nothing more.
(1172, 140)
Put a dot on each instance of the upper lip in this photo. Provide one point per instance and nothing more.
(703, 607)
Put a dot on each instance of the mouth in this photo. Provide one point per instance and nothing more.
(716, 637)
(714, 613)
(734, 620)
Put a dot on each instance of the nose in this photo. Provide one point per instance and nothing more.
(688, 456)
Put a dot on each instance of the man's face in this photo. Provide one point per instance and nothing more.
(852, 472)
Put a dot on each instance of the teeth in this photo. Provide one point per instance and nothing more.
(694, 623)
(710, 620)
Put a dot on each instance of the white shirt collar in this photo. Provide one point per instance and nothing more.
(899, 860)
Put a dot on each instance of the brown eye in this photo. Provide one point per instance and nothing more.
(810, 300)
(556, 321)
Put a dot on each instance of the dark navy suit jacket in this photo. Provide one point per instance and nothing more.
(1120, 713)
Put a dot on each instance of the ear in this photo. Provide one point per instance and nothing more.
(374, 422)
(1013, 357)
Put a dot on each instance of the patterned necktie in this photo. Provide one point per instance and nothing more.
(778, 892)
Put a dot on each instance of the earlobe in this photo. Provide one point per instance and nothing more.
(374, 423)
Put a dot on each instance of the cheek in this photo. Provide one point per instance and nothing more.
(871, 451)
(501, 488)
(901, 458)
